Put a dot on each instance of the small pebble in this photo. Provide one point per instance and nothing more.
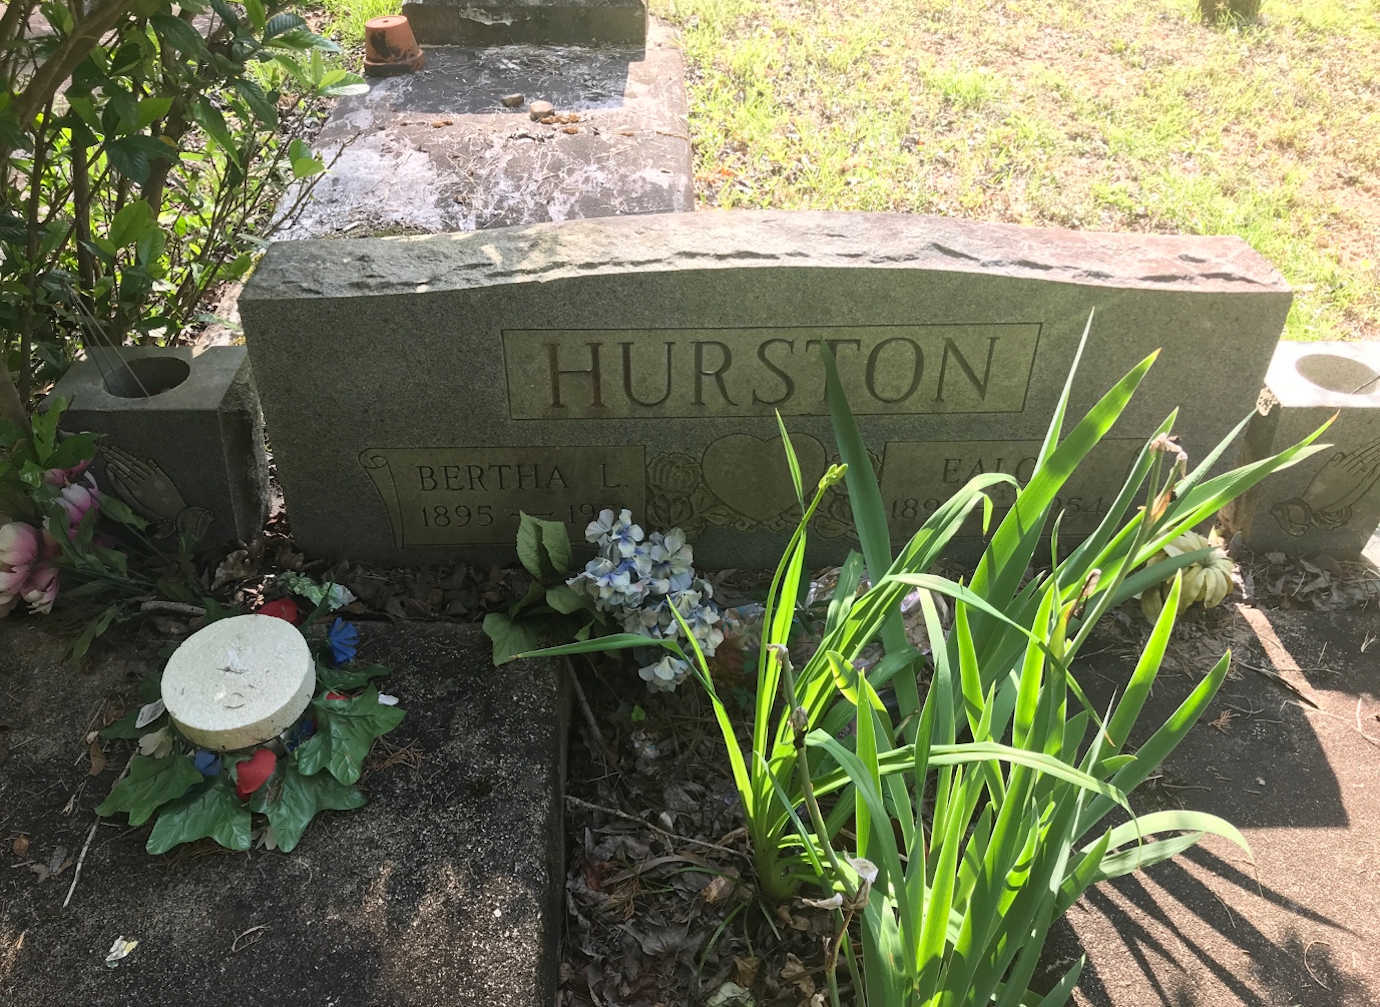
(512, 100)
(540, 110)
(571, 129)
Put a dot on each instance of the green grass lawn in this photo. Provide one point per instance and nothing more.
(1099, 114)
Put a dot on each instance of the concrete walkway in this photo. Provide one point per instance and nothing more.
(1300, 927)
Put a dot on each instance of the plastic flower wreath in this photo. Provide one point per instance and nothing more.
(635, 579)
(314, 765)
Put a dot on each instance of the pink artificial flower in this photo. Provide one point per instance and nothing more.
(12, 581)
(19, 545)
(25, 570)
(77, 499)
(41, 590)
(63, 477)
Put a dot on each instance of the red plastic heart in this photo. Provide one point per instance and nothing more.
(282, 608)
(251, 774)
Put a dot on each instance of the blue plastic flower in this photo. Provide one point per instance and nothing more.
(344, 640)
(207, 763)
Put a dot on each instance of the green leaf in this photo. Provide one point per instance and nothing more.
(256, 12)
(150, 784)
(555, 540)
(209, 118)
(1175, 821)
(565, 599)
(345, 731)
(132, 223)
(301, 39)
(93, 629)
(212, 812)
(180, 35)
(131, 155)
(353, 85)
(292, 802)
(72, 451)
(150, 110)
(280, 24)
(226, 13)
(543, 547)
(869, 516)
(117, 510)
(45, 425)
(263, 108)
(348, 679)
(529, 549)
(614, 641)
(124, 728)
(306, 167)
(511, 637)
(792, 462)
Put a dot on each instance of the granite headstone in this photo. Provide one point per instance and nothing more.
(420, 391)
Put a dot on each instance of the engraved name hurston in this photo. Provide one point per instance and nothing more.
(893, 369)
(469, 496)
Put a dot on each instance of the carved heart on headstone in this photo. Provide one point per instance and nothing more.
(750, 475)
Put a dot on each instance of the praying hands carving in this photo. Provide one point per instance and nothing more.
(142, 483)
(1343, 480)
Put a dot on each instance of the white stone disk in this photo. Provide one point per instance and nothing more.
(239, 682)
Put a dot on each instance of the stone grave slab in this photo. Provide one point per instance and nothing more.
(421, 391)
(1331, 502)
(437, 150)
(443, 891)
(502, 22)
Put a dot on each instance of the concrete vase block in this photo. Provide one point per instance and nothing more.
(184, 439)
(1330, 503)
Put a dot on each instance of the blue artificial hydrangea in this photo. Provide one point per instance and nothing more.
(636, 578)
(343, 638)
(671, 559)
(207, 763)
(664, 675)
(618, 535)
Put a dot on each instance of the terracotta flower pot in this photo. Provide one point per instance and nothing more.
(390, 47)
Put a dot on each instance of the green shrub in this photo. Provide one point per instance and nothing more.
(142, 144)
